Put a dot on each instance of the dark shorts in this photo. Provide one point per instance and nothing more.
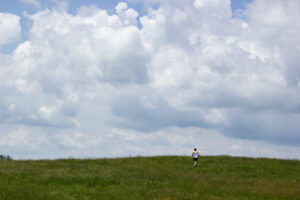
(195, 159)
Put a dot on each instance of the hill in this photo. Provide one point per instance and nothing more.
(162, 177)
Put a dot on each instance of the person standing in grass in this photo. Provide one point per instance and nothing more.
(195, 155)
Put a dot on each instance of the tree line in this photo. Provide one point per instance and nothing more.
(5, 157)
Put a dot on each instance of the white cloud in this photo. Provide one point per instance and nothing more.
(215, 116)
(274, 13)
(61, 5)
(34, 3)
(15, 138)
(45, 111)
(94, 80)
(9, 28)
(128, 16)
(205, 3)
(72, 140)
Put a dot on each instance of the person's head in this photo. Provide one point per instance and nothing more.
(195, 149)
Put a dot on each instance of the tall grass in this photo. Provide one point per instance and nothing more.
(165, 177)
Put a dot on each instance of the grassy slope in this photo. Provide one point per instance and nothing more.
(168, 177)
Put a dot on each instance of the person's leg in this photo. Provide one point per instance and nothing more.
(195, 162)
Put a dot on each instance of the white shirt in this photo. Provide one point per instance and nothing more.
(195, 154)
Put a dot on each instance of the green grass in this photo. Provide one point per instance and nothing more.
(166, 177)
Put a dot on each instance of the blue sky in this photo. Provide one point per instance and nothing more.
(17, 6)
(121, 79)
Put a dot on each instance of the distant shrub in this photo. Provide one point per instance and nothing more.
(5, 157)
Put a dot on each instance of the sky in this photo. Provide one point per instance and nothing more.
(94, 79)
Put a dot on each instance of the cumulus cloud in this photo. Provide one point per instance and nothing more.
(93, 79)
(128, 16)
(9, 28)
(228, 65)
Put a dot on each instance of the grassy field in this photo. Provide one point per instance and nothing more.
(166, 177)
